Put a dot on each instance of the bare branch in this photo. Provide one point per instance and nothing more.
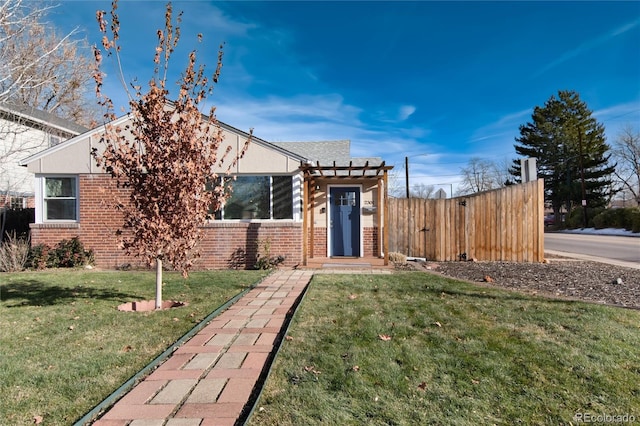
(626, 151)
(39, 68)
(165, 156)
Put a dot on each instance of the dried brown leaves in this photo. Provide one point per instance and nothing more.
(165, 157)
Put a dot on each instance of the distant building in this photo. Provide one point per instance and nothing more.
(23, 132)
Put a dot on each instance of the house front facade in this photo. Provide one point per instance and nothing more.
(299, 200)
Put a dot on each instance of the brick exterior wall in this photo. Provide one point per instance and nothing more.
(224, 244)
(236, 244)
(319, 242)
(370, 242)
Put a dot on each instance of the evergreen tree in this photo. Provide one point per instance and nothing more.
(571, 151)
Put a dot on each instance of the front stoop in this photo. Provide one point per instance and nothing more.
(210, 379)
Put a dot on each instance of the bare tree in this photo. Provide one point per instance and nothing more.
(165, 156)
(16, 143)
(502, 173)
(41, 68)
(422, 190)
(396, 185)
(626, 151)
(479, 175)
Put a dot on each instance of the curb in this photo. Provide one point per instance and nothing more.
(586, 257)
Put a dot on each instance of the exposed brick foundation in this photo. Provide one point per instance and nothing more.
(236, 245)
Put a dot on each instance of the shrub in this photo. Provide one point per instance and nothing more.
(66, 254)
(38, 256)
(576, 218)
(71, 253)
(13, 253)
(627, 218)
(264, 260)
(632, 219)
(635, 220)
(600, 221)
(396, 257)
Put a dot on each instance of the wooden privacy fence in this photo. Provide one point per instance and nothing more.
(501, 225)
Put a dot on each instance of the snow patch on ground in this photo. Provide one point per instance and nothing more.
(605, 231)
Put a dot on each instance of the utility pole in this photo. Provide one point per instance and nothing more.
(406, 171)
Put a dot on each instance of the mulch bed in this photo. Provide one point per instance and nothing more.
(559, 277)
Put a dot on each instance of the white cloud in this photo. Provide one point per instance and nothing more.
(206, 15)
(322, 117)
(496, 139)
(617, 117)
(406, 111)
(623, 111)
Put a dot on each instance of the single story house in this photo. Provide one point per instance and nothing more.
(309, 200)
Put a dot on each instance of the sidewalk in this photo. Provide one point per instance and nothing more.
(209, 380)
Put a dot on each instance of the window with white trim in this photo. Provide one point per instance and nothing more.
(60, 198)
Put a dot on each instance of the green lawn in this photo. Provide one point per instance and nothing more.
(414, 348)
(64, 346)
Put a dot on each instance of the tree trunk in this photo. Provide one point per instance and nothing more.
(557, 216)
(158, 283)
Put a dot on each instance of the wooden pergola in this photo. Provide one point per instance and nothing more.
(315, 172)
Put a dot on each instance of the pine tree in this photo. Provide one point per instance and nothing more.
(571, 151)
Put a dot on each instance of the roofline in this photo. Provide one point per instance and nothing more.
(261, 141)
(11, 109)
(126, 117)
(64, 144)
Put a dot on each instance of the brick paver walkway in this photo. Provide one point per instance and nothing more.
(209, 380)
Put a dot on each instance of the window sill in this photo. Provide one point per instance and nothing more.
(282, 223)
(55, 225)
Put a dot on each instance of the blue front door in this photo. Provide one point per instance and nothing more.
(345, 221)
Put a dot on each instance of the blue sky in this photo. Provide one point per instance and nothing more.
(440, 82)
